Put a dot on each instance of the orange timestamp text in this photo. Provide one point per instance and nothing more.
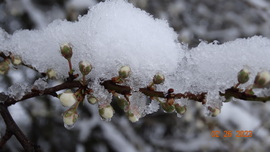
(229, 133)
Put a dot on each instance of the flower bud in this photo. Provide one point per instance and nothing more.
(70, 117)
(168, 108)
(214, 111)
(67, 98)
(262, 79)
(16, 60)
(158, 78)
(4, 67)
(180, 109)
(106, 112)
(66, 51)
(243, 75)
(122, 103)
(124, 71)
(85, 67)
(132, 117)
(92, 99)
(51, 74)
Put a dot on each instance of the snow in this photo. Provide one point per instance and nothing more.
(115, 33)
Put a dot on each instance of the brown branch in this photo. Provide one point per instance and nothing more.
(238, 94)
(5, 138)
(110, 85)
(49, 91)
(13, 129)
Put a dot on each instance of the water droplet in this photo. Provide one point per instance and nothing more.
(104, 119)
(179, 115)
(68, 126)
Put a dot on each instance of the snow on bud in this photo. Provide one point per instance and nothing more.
(180, 109)
(16, 60)
(70, 117)
(124, 71)
(51, 74)
(4, 67)
(92, 99)
(158, 78)
(262, 79)
(66, 51)
(68, 98)
(167, 107)
(85, 67)
(133, 117)
(106, 112)
(243, 75)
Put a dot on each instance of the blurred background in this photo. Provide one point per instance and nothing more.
(194, 21)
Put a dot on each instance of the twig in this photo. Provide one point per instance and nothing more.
(13, 129)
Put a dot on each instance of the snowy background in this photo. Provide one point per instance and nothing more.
(196, 22)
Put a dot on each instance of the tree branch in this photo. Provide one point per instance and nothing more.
(13, 129)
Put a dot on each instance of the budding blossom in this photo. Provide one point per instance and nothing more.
(158, 78)
(106, 112)
(51, 74)
(124, 71)
(243, 76)
(16, 60)
(85, 67)
(66, 51)
(180, 109)
(167, 107)
(262, 79)
(70, 117)
(92, 99)
(4, 67)
(133, 117)
(214, 111)
(68, 98)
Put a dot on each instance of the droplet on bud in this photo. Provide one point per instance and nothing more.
(69, 118)
(158, 78)
(67, 98)
(66, 51)
(106, 112)
(124, 71)
(85, 67)
(243, 75)
(4, 67)
(262, 79)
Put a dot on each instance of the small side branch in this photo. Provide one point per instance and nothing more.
(13, 129)
(238, 94)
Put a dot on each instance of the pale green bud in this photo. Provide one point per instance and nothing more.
(168, 108)
(158, 78)
(51, 74)
(4, 67)
(66, 51)
(67, 98)
(124, 71)
(243, 75)
(85, 67)
(70, 117)
(106, 112)
(133, 117)
(16, 60)
(180, 109)
(92, 99)
(262, 79)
